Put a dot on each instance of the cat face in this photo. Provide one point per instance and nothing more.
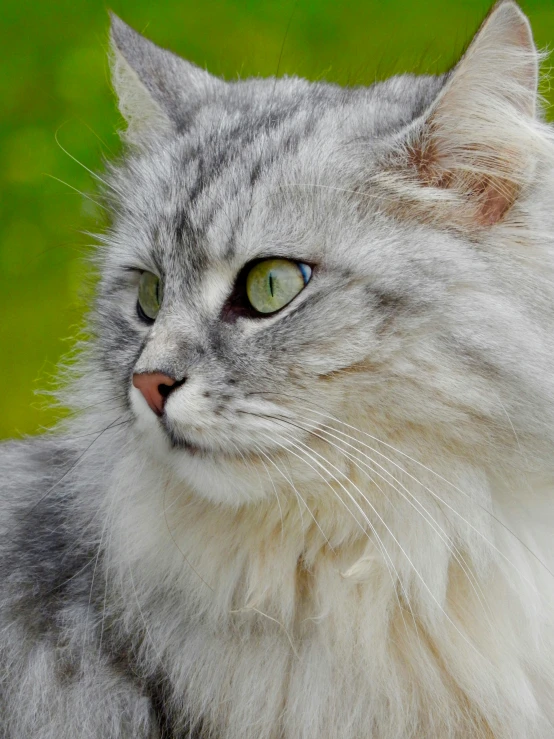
(400, 315)
(213, 205)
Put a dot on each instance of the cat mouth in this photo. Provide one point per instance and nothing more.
(179, 442)
(182, 443)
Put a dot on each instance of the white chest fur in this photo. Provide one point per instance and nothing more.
(281, 620)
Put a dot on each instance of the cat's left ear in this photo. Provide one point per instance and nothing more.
(480, 140)
(157, 90)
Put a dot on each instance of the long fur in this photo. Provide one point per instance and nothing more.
(342, 526)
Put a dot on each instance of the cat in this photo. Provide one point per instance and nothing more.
(306, 490)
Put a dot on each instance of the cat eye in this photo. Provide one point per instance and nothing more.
(150, 295)
(273, 283)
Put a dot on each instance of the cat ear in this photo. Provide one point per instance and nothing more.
(157, 90)
(480, 139)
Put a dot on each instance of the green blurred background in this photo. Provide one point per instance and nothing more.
(54, 87)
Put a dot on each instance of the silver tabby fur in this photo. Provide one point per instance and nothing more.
(342, 526)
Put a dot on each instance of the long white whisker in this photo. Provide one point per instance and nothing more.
(450, 507)
(299, 497)
(416, 571)
(386, 557)
(270, 478)
(451, 485)
(246, 463)
(430, 491)
(420, 508)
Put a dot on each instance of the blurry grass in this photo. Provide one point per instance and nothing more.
(54, 81)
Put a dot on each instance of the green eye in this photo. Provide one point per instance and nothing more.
(273, 283)
(150, 295)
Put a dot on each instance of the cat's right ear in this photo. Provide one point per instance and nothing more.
(157, 90)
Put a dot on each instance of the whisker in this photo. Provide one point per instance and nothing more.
(91, 433)
(83, 194)
(394, 538)
(261, 452)
(185, 558)
(91, 129)
(429, 490)
(416, 571)
(246, 462)
(93, 174)
(386, 557)
(100, 402)
(79, 458)
(441, 500)
(420, 508)
(299, 497)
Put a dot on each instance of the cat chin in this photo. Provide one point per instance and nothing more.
(216, 475)
(220, 479)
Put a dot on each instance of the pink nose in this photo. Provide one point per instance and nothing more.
(155, 387)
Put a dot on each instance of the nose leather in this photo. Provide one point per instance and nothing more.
(155, 387)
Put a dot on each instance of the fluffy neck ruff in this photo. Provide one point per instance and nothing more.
(386, 604)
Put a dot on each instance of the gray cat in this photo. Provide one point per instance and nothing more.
(307, 489)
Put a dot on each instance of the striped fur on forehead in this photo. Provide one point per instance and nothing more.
(226, 158)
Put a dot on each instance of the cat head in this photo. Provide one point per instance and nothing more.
(286, 257)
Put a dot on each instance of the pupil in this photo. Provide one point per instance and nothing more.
(271, 284)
